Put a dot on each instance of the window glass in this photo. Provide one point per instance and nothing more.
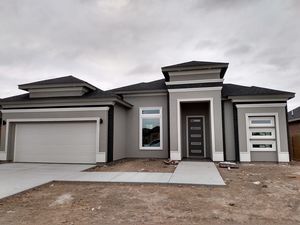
(261, 133)
(150, 111)
(262, 145)
(261, 122)
(266, 121)
(151, 132)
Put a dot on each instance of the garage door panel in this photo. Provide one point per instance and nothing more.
(61, 142)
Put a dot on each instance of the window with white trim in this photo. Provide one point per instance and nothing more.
(263, 121)
(150, 128)
(262, 133)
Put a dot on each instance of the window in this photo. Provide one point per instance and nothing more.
(263, 146)
(151, 128)
(262, 133)
(261, 121)
(261, 130)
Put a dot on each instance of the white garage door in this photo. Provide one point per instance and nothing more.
(55, 142)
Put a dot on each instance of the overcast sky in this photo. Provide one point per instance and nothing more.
(120, 42)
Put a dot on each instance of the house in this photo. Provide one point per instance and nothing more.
(191, 113)
(294, 130)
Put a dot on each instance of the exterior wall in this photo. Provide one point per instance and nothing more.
(192, 109)
(229, 131)
(132, 132)
(294, 128)
(194, 75)
(120, 130)
(41, 115)
(217, 130)
(57, 93)
(283, 138)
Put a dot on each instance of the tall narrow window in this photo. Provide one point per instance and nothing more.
(151, 128)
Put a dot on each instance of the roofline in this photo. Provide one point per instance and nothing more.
(294, 120)
(244, 97)
(26, 87)
(223, 66)
(116, 99)
(140, 92)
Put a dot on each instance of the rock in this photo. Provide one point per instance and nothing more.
(256, 182)
(231, 204)
(10, 211)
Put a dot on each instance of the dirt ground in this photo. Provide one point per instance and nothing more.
(255, 194)
(135, 165)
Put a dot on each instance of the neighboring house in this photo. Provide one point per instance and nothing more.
(190, 113)
(294, 129)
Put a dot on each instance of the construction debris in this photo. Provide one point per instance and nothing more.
(171, 162)
(228, 165)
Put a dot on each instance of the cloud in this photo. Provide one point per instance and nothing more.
(114, 43)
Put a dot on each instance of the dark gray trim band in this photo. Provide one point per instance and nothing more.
(224, 130)
(212, 84)
(110, 141)
(236, 133)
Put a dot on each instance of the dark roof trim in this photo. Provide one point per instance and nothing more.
(149, 87)
(294, 115)
(212, 84)
(65, 102)
(67, 81)
(236, 91)
(194, 65)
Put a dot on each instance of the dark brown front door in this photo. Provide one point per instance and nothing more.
(195, 136)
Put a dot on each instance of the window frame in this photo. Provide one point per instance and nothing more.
(262, 127)
(150, 116)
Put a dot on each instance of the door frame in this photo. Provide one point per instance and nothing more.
(187, 134)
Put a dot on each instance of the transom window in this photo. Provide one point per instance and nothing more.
(151, 128)
(262, 121)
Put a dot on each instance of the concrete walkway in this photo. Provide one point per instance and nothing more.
(203, 173)
(18, 177)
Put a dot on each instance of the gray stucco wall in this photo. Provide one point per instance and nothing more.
(263, 156)
(229, 131)
(68, 114)
(217, 110)
(194, 75)
(191, 109)
(132, 133)
(120, 130)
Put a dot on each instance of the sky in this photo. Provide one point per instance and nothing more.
(121, 42)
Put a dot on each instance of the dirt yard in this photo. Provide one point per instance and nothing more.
(255, 194)
(135, 165)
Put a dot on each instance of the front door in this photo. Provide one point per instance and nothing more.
(195, 136)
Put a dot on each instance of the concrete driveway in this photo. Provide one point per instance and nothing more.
(18, 177)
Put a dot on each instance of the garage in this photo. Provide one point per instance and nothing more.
(55, 142)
